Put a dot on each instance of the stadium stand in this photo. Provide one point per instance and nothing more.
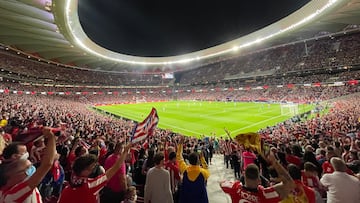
(35, 94)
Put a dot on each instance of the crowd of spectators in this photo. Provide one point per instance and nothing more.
(333, 53)
(21, 68)
(84, 132)
(325, 53)
(85, 156)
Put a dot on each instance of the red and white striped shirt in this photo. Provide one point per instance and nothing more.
(239, 194)
(88, 192)
(20, 193)
(227, 148)
(174, 175)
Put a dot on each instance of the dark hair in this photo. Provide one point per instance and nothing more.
(355, 155)
(94, 152)
(252, 172)
(83, 162)
(158, 158)
(11, 149)
(330, 148)
(288, 150)
(337, 144)
(294, 171)
(297, 151)
(193, 158)
(347, 147)
(150, 159)
(111, 146)
(78, 151)
(282, 158)
(141, 153)
(172, 155)
(308, 166)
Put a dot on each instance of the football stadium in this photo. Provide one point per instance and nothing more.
(180, 101)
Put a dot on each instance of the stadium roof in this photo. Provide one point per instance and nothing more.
(51, 30)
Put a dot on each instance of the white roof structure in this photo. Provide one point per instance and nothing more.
(51, 31)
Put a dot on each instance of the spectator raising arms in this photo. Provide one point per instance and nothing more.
(252, 192)
(84, 189)
(18, 181)
(194, 177)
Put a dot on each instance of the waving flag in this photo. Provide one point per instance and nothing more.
(144, 129)
(249, 140)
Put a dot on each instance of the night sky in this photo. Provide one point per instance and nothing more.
(167, 28)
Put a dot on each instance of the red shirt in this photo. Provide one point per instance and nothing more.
(21, 193)
(293, 160)
(311, 181)
(174, 175)
(327, 167)
(88, 192)
(238, 193)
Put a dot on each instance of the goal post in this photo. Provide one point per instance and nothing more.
(289, 109)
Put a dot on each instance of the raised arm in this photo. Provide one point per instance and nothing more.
(287, 184)
(179, 156)
(47, 161)
(112, 171)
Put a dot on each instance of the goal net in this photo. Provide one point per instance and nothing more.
(289, 109)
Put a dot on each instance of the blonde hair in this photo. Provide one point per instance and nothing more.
(130, 192)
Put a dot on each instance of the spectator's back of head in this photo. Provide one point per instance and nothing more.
(83, 163)
(79, 151)
(172, 156)
(158, 158)
(338, 164)
(193, 158)
(294, 172)
(308, 166)
(252, 172)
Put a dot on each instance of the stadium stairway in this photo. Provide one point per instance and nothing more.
(218, 172)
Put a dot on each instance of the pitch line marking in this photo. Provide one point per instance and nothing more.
(263, 121)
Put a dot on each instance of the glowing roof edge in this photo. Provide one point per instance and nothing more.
(312, 11)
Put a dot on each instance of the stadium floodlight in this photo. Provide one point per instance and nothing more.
(311, 10)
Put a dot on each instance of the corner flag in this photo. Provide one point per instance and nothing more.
(146, 128)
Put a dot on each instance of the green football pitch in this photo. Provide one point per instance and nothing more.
(195, 118)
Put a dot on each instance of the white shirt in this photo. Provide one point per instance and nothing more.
(342, 188)
(157, 186)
